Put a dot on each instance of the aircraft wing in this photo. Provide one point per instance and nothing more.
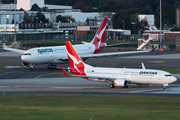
(13, 50)
(105, 54)
(111, 54)
(111, 45)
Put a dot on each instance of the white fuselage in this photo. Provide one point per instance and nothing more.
(54, 55)
(138, 76)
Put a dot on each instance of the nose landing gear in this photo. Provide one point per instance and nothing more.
(164, 88)
(31, 66)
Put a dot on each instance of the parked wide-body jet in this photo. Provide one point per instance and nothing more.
(116, 76)
(57, 54)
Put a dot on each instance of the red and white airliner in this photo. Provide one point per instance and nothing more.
(116, 76)
(57, 54)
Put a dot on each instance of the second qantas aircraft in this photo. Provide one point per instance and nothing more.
(116, 76)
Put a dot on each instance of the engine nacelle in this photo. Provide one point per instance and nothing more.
(122, 82)
(25, 64)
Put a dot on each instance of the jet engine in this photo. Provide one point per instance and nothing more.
(25, 64)
(122, 82)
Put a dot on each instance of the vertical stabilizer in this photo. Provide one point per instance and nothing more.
(98, 39)
(74, 60)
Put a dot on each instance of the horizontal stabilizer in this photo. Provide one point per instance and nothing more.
(4, 46)
(64, 71)
(111, 45)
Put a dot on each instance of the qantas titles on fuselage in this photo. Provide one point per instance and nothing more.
(50, 50)
(145, 73)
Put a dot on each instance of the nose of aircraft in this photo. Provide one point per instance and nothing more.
(24, 58)
(173, 79)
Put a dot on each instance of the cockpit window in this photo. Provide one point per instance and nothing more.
(27, 54)
(168, 75)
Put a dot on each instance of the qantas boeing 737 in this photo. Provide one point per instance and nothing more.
(57, 54)
(116, 76)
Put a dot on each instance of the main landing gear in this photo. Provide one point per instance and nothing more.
(51, 66)
(111, 85)
(31, 66)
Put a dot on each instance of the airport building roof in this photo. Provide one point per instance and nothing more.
(8, 7)
(56, 8)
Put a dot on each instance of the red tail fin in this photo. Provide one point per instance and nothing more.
(74, 60)
(98, 39)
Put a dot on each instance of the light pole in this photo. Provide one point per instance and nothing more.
(14, 20)
(160, 26)
(123, 25)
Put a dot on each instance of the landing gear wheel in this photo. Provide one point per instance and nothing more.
(48, 67)
(31, 67)
(164, 88)
(111, 86)
(55, 66)
(126, 86)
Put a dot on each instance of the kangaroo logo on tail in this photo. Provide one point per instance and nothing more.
(100, 35)
(74, 60)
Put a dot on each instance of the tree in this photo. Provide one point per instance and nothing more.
(143, 25)
(140, 26)
(175, 29)
(34, 18)
(27, 18)
(35, 7)
(64, 19)
(118, 19)
(79, 5)
(106, 14)
(61, 19)
(41, 17)
(7, 1)
(168, 16)
(44, 8)
(21, 9)
(110, 6)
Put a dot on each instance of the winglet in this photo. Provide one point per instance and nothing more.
(143, 67)
(4, 46)
(64, 70)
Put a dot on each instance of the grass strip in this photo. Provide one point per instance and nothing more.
(172, 70)
(84, 107)
(59, 74)
(2, 67)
